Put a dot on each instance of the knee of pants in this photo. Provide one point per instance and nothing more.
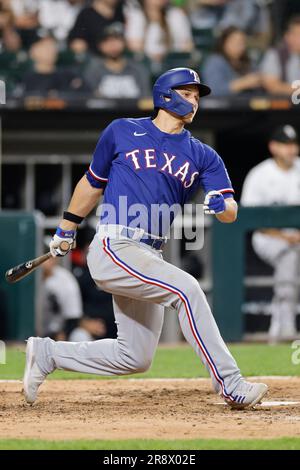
(191, 290)
(143, 364)
(138, 364)
(191, 287)
(136, 361)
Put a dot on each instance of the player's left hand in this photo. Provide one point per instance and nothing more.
(214, 203)
(59, 237)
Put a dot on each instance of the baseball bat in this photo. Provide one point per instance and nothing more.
(17, 273)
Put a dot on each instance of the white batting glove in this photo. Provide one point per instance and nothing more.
(56, 245)
(214, 203)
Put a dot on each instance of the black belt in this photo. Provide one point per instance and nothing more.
(156, 243)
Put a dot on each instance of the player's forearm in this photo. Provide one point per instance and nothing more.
(230, 214)
(83, 201)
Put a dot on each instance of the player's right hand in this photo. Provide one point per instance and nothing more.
(59, 237)
(214, 203)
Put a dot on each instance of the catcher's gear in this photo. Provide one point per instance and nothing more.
(214, 203)
(164, 88)
(60, 236)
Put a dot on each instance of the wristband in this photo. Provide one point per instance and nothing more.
(65, 233)
(72, 217)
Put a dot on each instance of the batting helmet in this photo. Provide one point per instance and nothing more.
(164, 88)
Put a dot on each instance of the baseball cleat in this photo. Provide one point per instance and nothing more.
(247, 395)
(33, 377)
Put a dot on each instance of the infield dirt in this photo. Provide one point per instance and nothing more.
(143, 409)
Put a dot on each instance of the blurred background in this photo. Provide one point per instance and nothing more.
(69, 68)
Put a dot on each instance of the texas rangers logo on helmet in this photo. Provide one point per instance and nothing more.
(195, 75)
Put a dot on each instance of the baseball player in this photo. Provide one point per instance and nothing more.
(150, 163)
(276, 181)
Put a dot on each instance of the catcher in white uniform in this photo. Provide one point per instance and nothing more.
(276, 181)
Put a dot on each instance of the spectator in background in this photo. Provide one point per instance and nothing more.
(97, 304)
(62, 307)
(13, 60)
(57, 17)
(155, 28)
(88, 329)
(45, 78)
(9, 38)
(281, 65)
(26, 20)
(220, 14)
(91, 21)
(283, 10)
(230, 71)
(113, 75)
(276, 181)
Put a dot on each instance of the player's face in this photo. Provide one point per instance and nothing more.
(284, 153)
(191, 94)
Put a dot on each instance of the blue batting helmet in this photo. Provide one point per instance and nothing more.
(164, 88)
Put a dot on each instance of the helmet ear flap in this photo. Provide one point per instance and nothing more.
(172, 101)
(166, 94)
(166, 97)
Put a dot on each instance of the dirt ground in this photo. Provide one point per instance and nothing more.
(152, 409)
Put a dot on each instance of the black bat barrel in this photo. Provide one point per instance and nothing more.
(13, 274)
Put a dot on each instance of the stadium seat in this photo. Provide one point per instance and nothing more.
(204, 39)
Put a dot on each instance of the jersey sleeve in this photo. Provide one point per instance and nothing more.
(104, 153)
(214, 176)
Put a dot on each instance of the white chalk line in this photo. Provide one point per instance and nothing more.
(203, 379)
(173, 379)
(268, 403)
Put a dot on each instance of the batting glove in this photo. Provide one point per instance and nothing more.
(59, 237)
(214, 203)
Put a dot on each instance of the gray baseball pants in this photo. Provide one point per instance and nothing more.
(142, 284)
